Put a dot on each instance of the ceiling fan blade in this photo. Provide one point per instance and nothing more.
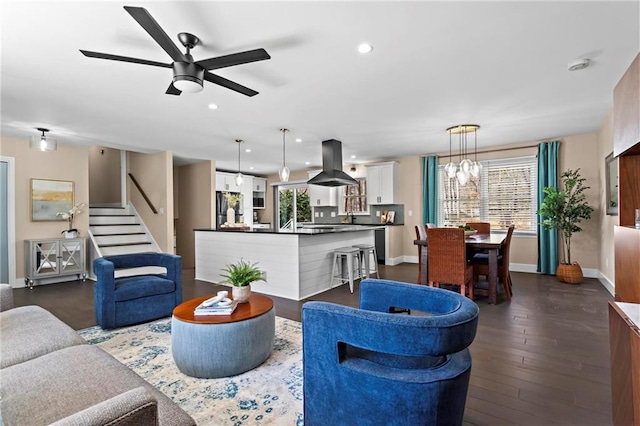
(154, 29)
(172, 90)
(221, 81)
(234, 59)
(99, 55)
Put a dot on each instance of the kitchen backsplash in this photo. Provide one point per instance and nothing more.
(371, 219)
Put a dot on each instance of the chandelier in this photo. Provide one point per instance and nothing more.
(467, 168)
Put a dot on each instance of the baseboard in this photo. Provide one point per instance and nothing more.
(523, 267)
(410, 259)
(606, 283)
(393, 261)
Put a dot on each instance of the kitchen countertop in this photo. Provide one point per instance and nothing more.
(305, 230)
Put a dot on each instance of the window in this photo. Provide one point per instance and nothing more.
(354, 198)
(505, 194)
(293, 198)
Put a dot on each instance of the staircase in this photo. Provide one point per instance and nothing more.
(118, 230)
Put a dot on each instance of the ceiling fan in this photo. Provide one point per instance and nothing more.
(187, 74)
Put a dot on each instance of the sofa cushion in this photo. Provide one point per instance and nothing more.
(29, 332)
(70, 380)
(136, 287)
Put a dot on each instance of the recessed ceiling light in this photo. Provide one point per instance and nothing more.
(353, 156)
(365, 48)
(250, 168)
(298, 140)
(578, 64)
(247, 150)
(213, 106)
(307, 163)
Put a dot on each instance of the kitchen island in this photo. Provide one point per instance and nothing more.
(297, 264)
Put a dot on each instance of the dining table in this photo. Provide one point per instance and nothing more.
(490, 243)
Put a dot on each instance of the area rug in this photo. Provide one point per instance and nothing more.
(268, 394)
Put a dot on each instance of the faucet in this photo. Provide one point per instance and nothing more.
(351, 217)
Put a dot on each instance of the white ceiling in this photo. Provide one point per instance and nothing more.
(502, 65)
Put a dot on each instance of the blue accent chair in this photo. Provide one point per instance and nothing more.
(368, 366)
(136, 299)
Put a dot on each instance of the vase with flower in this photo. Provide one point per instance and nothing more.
(69, 215)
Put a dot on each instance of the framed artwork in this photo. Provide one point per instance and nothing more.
(50, 197)
(611, 178)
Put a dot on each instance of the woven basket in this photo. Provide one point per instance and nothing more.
(570, 274)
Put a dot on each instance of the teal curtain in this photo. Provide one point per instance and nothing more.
(547, 176)
(430, 189)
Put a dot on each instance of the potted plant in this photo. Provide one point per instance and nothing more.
(240, 275)
(564, 209)
(69, 215)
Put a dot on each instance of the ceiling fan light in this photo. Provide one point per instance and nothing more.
(186, 83)
(284, 174)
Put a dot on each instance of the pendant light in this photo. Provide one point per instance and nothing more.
(476, 167)
(467, 168)
(450, 169)
(284, 171)
(43, 143)
(239, 178)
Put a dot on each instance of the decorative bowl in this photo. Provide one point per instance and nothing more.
(471, 232)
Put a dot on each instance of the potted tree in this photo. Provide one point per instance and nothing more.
(240, 275)
(564, 209)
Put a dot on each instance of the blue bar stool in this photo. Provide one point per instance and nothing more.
(348, 255)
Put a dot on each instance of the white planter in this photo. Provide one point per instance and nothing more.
(70, 234)
(241, 294)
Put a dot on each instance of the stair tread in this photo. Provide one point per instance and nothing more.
(107, 207)
(114, 224)
(119, 234)
(124, 244)
(111, 215)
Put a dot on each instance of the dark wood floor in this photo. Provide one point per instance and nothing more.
(541, 359)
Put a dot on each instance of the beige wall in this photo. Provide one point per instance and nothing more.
(104, 175)
(196, 208)
(67, 163)
(154, 173)
(607, 222)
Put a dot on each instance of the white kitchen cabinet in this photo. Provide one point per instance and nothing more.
(322, 196)
(226, 182)
(382, 183)
(259, 192)
(247, 199)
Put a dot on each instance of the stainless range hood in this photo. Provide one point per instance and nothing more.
(332, 174)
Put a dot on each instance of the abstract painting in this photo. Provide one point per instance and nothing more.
(50, 197)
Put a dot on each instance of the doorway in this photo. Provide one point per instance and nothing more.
(7, 221)
(293, 198)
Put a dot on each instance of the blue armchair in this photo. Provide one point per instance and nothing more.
(368, 366)
(134, 299)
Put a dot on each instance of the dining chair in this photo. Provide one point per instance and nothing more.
(447, 259)
(481, 227)
(421, 234)
(480, 262)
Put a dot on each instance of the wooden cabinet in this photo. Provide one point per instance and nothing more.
(623, 333)
(382, 183)
(322, 196)
(626, 111)
(53, 258)
(624, 337)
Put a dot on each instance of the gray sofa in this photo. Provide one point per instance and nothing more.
(50, 375)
